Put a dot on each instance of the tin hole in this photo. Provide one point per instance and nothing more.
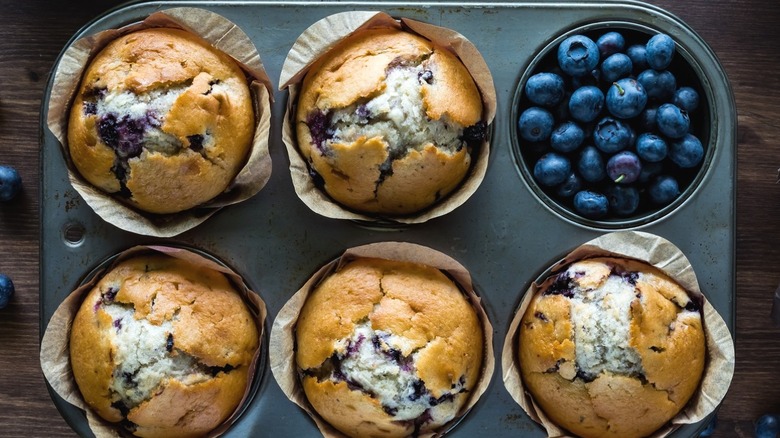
(73, 234)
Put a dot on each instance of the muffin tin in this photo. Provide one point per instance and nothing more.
(504, 234)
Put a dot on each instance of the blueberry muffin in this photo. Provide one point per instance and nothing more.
(163, 348)
(388, 349)
(161, 119)
(388, 122)
(611, 348)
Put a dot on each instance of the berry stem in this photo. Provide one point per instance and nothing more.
(621, 91)
(620, 178)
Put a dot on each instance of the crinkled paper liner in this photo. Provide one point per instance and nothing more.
(316, 41)
(55, 352)
(282, 341)
(665, 256)
(223, 35)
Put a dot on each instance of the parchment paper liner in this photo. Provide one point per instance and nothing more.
(55, 356)
(316, 41)
(225, 36)
(662, 254)
(282, 341)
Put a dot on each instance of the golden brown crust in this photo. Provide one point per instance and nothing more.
(414, 301)
(354, 72)
(668, 339)
(159, 59)
(210, 322)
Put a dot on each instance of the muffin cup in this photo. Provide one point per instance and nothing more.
(282, 341)
(223, 35)
(55, 352)
(688, 70)
(662, 254)
(322, 36)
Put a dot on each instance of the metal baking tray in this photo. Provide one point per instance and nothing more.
(504, 235)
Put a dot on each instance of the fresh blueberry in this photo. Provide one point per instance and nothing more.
(611, 135)
(686, 152)
(578, 55)
(572, 185)
(535, 124)
(647, 119)
(591, 204)
(626, 98)
(659, 85)
(624, 167)
(616, 66)
(10, 183)
(767, 426)
(710, 429)
(638, 55)
(610, 43)
(545, 89)
(623, 200)
(686, 98)
(649, 170)
(651, 147)
(586, 103)
(6, 290)
(660, 51)
(663, 189)
(552, 169)
(591, 165)
(566, 137)
(672, 121)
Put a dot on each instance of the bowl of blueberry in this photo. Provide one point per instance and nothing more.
(613, 125)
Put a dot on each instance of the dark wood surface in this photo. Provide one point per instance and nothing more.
(745, 35)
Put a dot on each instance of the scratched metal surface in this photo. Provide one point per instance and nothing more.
(504, 235)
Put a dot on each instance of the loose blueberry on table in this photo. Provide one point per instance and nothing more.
(10, 183)
(768, 426)
(610, 124)
(6, 290)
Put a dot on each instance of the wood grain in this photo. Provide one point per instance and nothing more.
(743, 34)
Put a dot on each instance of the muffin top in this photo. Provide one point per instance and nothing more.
(389, 121)
(611, 347)
(388, 348)
(162, 119)
(163, 347)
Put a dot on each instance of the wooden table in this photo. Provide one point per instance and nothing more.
(744, 34)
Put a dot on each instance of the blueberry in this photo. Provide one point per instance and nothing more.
(586, 103)
(552, 169)
(686, 98)
(611, 135)
(672, 121)
(708, 431)
(626, 98)
(659, 85)
(623, 200)
(570, 186)
(686, 152)
(320, 127)
(535, 124)
(663, 189)
(624, 167)
(545, 89)
(660, 51)
(590, 204)
(616, 66)
(638, 55)
(10, 183)
(591, 165)
(566, 137)
(651, 147)
(609, 43)
(6, 290)
(647, 119)
(767, 426)
(578, 55)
